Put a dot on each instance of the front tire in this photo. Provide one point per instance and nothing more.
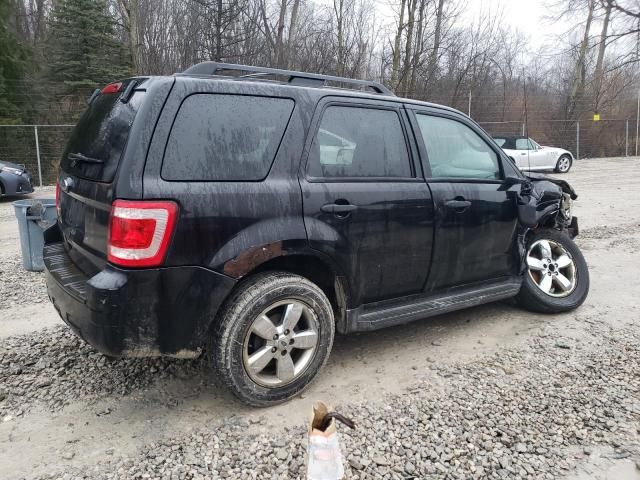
(563, 165)
(556, 277)
(272, 337)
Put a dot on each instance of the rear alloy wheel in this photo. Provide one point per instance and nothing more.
(272, 337)
(556, 278)
(564, 164)
(280, 343)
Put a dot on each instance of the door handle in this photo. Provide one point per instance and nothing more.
(458, 205)
(523, 153)
(338, 209)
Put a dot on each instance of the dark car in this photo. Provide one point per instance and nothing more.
(14, 179)
(255, 212)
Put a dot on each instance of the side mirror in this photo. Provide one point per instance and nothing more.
(511, 180)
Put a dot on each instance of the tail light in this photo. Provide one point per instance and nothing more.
(140, 231)
(58, 195)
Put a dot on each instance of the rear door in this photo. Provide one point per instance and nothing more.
(365, 202)
(475, 219)
(90, 163)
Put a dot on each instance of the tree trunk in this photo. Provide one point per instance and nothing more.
(419, 48)
(407, 67)
(129, 10)
(601, 50)
(433, 58)
(267, 28)
(396, 47)
(219, 48)
(280, 34)
(581, 68)
(338, 8)
(293, 23)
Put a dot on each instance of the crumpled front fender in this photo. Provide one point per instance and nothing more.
(544, 202)
(544, 198)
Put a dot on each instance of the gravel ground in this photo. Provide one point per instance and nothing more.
(52, 367)
(521, 413)
(18, 286)
(492, 392)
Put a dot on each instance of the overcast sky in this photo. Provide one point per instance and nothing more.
(528, 16)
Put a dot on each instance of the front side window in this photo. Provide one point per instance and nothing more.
(225, 137)
(359, 142)
(523, 144)
(456, 151)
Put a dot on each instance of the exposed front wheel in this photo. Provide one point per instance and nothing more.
(272, 337)
(556, 277)
(564, 164)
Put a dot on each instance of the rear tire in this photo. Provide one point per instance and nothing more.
(272, 337)
(544, 291)
(564, 163)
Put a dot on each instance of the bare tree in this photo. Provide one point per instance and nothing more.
(129, 11)
(396, 46)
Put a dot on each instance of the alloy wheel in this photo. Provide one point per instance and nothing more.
(280, 343)
(552, 268)
(563, 164)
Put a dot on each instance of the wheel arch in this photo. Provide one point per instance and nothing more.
(316, 268)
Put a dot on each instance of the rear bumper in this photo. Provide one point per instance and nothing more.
(150, 312)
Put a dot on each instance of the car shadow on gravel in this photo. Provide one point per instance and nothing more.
(52, 368)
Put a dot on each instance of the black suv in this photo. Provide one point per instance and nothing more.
(255, 211)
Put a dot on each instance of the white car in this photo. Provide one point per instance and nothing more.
(529, 155)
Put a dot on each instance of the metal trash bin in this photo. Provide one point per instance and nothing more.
(34, 216)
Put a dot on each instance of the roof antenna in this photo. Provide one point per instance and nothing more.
(526, 119)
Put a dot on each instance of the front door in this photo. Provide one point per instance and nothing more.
(475, 222)
(365, 202)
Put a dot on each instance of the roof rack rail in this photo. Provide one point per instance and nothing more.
(293, 77)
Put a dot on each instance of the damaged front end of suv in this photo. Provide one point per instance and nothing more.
(544, 202)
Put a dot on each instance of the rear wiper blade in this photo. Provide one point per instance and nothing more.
(78, 157)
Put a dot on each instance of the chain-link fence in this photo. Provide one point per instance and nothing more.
(585, 139)
(39, 147)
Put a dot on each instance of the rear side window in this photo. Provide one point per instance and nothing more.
(359, 142)
(225, 137)
(101, 136)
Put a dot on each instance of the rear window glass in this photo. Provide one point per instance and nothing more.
(101, 135)
(225, 137)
